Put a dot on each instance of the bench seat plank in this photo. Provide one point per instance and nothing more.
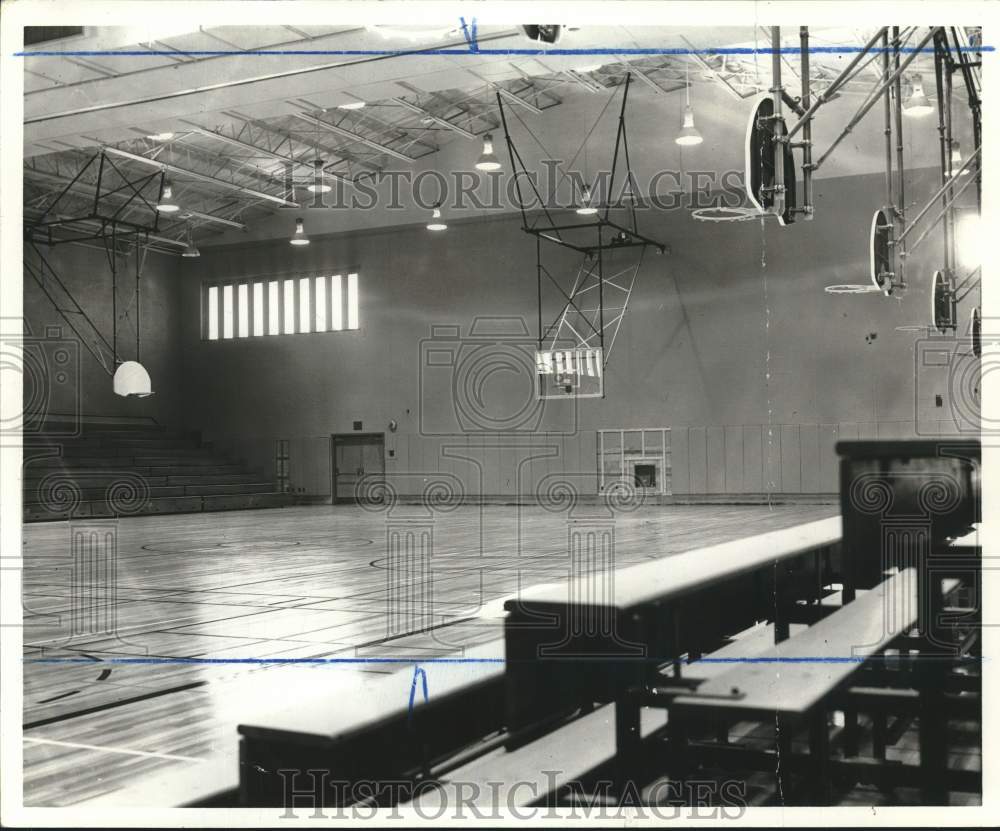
(663, 579)
(783, 680)
(555, 760)
(321, 712)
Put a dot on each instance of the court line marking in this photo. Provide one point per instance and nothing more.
(98, 708)
(114, 750)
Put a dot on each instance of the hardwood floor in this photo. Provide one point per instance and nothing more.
(152, 667)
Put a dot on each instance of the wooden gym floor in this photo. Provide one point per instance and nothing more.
(280, 583)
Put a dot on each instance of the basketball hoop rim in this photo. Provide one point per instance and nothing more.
(852, 288)
(727, 214)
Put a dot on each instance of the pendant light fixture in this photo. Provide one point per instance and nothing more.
(437, 223)
(319, 184)
(586, 207)
(689, 135)
(299, 237)
(488, 159)
(917, 104)
(167, 205)
(131, 380)
(190, 250)
(956, 160)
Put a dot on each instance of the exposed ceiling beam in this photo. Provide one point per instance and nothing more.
(85, 190)
(340, 131)
(292, 138)
(585, 81)
(507, 95)
(94, 223)
(235, 142)
(642, 76)
(434, 118)
(232, 223)
(201, 177)
(716, 75)
(252, 148)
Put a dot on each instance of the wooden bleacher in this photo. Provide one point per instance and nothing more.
(808, 640)
(108, 467)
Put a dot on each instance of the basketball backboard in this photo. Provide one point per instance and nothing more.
(569, 373)
(760, 162)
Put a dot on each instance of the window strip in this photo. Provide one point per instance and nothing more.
(285, 306)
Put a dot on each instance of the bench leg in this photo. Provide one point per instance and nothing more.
(878, 736)
(850, 732)
(627, 738)
(819, 752)
(933, 739)
(784, 746)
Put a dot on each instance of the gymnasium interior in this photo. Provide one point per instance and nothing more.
(535, 417)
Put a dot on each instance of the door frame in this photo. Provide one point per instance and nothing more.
(374, 438)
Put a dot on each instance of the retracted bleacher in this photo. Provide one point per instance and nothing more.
(794, 661)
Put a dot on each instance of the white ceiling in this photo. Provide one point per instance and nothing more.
(242, 121)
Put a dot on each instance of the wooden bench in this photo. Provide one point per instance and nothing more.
(572, 752)
(571, 644)
(372, 728)
(791, 678)
(794, 683)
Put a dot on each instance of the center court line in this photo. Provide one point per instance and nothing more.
(114, 750)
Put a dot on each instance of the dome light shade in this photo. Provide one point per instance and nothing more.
(167, 205)
(689, 135)
(299, 237)
(586, 207)
(132, 381)
(917, 104)
(437, 223)
(488, 159)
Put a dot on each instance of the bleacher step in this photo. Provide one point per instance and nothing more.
(104, 469)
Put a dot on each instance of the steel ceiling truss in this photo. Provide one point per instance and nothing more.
(76, 178)
(117, 241)
(257, 153)
(584, 318)
(121, 215)
(121, 198)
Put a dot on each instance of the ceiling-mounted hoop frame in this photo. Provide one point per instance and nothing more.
(880, 264)
(976, 331)
(943, 315)
(758, 164)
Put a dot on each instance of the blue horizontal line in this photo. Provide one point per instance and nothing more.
(411, 660)
(735, 50)
(846, 659)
